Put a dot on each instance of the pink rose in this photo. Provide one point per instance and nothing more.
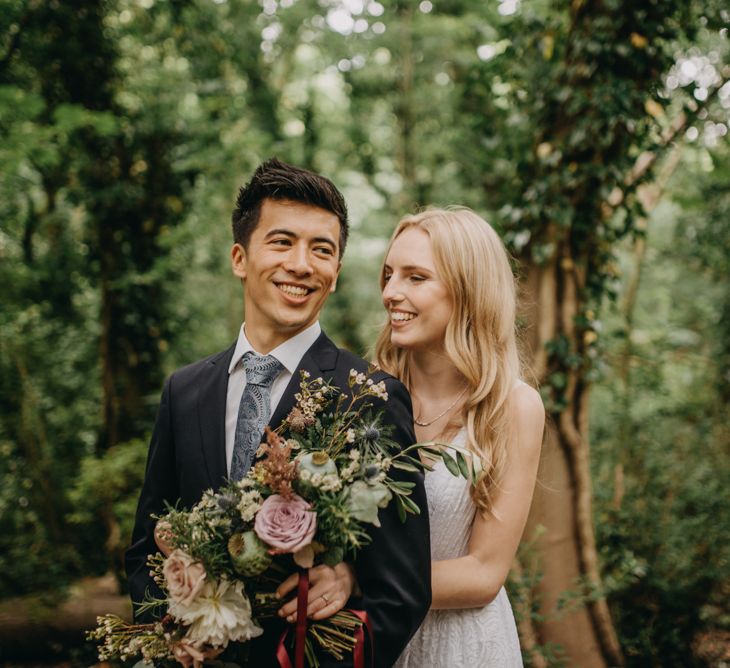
(287, 525)
(192, 653)
(184, 577)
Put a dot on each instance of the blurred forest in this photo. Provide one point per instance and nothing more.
(591, 133)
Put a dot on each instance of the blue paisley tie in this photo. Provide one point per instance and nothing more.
(253, 412)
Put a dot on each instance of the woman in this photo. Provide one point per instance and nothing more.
(450, 294)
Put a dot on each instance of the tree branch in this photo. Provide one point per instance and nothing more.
(648, 159)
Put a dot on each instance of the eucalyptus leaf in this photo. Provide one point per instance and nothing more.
(401, 508)
(403, 466)
(450, 463)
(463, 465)
(410, 505)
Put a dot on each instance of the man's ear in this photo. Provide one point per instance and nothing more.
(333, 287)
(238, 261)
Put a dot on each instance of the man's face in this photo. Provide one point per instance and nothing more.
(289, 269)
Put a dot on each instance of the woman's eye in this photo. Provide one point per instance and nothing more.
(386, 278)
(417, 279)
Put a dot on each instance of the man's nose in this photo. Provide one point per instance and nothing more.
(298, 261)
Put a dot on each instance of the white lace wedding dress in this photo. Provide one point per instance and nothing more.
(472, 637)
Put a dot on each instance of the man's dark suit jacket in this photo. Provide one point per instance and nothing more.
(187, 456)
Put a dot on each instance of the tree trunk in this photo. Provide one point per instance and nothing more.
(553, 511)
(562, 505)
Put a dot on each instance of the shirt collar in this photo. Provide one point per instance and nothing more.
(289, 353)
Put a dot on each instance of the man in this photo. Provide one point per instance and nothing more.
(290, 230)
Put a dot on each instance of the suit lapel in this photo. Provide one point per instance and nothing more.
(318, 360)
(212, 394)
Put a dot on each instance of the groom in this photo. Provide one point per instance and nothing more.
(289, 230)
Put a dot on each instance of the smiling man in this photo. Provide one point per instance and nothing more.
(289, 230)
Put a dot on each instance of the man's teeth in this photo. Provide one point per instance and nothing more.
(293, 290)
(402, 316)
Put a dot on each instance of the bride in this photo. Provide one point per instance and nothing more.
(450, 293)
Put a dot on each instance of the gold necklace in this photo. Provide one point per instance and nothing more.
(428, 423)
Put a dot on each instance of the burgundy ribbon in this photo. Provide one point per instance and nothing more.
(359, 652)
(300, 631)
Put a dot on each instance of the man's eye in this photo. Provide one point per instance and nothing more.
(324, 249)
(281, 242)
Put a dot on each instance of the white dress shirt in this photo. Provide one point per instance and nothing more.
(289, 353)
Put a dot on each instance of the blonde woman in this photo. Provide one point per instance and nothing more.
(450, 337)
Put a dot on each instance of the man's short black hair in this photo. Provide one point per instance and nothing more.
(277, 180)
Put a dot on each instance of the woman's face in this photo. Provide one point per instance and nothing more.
(414, 295)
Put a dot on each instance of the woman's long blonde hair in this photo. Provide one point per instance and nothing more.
(480, 338)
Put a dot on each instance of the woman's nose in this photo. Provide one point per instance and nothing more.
(391, 292)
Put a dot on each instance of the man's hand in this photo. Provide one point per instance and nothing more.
(163, 537)
(329, 589)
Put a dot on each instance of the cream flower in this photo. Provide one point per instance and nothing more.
(220, 613)
(184, 577)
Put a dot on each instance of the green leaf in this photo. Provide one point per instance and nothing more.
(403, 466)
(463, 465)
(410, 505)
(450, 464)
(429, 450)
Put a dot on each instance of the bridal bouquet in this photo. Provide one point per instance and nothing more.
(318, 482)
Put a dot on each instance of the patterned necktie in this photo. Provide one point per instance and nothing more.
(253, 412)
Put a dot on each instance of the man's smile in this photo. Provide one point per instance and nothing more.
(294, 289)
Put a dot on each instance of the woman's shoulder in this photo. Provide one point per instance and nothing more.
(527, 408)
(526, 397)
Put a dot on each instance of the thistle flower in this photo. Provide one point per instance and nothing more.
(226, 502)
(371, 433)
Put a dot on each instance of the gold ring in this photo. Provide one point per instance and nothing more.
(326, 600)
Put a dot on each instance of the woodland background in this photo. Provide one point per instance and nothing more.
(591, 133)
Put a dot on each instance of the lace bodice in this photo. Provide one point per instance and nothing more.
(484, 637)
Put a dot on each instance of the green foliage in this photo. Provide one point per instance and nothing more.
(31, 559)
(93, 520)
(662, 445)
(103, 501)
(564, 104)
(126, 127)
